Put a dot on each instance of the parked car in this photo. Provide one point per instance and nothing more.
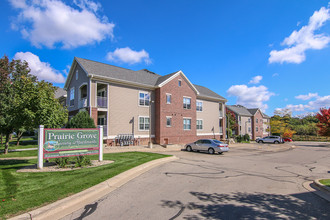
(270, 139)
(210, 145)
(287, 140)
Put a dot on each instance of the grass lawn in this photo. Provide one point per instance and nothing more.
(21, 192)
(26, 142)
(325, 182)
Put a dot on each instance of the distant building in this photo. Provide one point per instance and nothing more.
(61, 95)
(251, 121)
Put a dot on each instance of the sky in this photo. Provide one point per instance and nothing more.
(273, 55)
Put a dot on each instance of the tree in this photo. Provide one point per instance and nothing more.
(324, 125)
(288, 133)
(231, 119)
(277, 125)
(81, 120)
(25, 102)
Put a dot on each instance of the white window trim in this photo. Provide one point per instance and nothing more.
(190, 102)
(81, 85)
(140, 116)
(170, 96)
(183, 123)
(167, 117)
(202, 105)
(179, 80)
(146, 106)
(202, 124)
(74, 91)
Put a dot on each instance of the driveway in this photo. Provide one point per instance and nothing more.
(249, 182)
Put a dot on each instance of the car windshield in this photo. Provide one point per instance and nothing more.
(217, 142)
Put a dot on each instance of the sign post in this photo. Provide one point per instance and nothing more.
(101, 143)
(40, 148)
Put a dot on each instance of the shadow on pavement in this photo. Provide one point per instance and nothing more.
(251, 206)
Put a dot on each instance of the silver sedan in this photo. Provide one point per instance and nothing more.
(209, 145)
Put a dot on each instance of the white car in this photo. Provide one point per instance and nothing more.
(210, 145)
(270, 139)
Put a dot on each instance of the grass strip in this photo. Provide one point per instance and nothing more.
(325, 182)
(22, 192)
(27, 153)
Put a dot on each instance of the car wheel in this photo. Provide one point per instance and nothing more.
(220, 152)
(211, 151)
(188, 148)
(276, 142)
(260, 142)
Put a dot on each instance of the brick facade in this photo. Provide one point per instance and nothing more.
(175, 133)
(257, 125)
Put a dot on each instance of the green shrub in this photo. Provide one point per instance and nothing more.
(62, 162)
(81, 120)
(246, 137)
(82, 161)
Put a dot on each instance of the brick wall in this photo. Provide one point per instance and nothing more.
(175, 134)
(257, 117)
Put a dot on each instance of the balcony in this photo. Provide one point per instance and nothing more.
(82, 103)
(220, 113)
(105, 130)
(102, 102)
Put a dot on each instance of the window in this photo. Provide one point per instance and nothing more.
(168, 121)
(179, 82)
(72, 96)
(76, 74)
(199, 124)
(144, 98)
(199, 106)
(249, 120)
(257, 128)
(168, 98)
(256, 120)
(249, 129)
(187, 103)
(186, 124)
(144, 123)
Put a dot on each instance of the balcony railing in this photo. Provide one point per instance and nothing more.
(105, 131)
(221, 113)
(102, 102)
(82, 103)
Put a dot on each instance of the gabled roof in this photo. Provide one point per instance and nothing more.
(59, 92)
(239, 110)
(142, 77)
(253, 111)
(103, 70)
(207, 93)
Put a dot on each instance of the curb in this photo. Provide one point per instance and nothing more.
(318, 188)
(321, 186)
(63, 207)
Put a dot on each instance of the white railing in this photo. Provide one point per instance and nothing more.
(102, 102)
(82, 103)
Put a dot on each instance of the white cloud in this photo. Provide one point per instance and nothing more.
(251, 97)
(306, 97)
(304, 39)
(52, 22)
(275, 74)
(40, 69)
(255, 80)
(127, 55)
(315, 105)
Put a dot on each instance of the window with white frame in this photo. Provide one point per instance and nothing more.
(199, 124)
(249, 129)
(179, 82)
(199, 106)
(144, 98)
(144, 123)
(168, 121)
(72, 96)
(186, 103)
(186, 124)
(249, 120)
(168, 98)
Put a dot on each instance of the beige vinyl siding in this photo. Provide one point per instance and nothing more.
(210, 117)
(245, 125)
(123, 107)
(93, 94)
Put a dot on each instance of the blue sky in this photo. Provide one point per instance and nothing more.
(271, 54)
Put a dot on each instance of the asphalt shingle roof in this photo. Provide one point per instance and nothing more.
(240, 110)
(143, 77)
(59, 93)
(203, 91)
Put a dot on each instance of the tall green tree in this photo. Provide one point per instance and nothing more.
(25, 102)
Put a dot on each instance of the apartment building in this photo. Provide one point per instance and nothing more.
(252, 121)
(168, 109)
